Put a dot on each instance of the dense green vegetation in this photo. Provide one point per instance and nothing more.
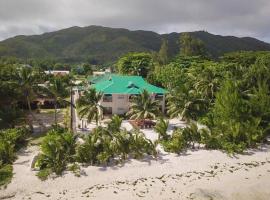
(225, 102)
(231, 97)
(11, 140)
(101, 146)
(101, 45)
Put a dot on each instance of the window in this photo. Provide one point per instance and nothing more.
(121, 96)
(107, 110)
(107, 98)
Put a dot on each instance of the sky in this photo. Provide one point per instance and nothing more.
(225, 17)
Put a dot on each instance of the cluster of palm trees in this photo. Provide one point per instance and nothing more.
(31, 84)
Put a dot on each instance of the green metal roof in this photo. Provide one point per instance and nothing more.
(118, 84)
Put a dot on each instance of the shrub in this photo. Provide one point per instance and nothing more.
(176, 143)
(139, 145)
(10, 141)
(102, 146)
(57, 149)
(161, 128)
(5, 174)
(44, 174)
(7, 152)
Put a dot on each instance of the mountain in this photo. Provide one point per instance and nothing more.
(98, 44)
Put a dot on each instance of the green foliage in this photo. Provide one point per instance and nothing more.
(57, 149)
(137, 64)
(44, 174)
(6, 174)
(115, 124)
(88, 105)
(75, 168)
(176, 144)
(183, 138)
(102, 147)
(161, 128)
(143, 107)
(10, 141)
(191, 46)
(102, 45)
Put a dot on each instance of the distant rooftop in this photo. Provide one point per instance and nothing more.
(57, 72)
(119, 84)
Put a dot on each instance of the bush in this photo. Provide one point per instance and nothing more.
(15, 136)
(103, 146)
(57, 149)
(10, 141)
(44, 174)
(5, 174)
(176, 143)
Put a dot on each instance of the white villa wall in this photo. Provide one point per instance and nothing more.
(120, 103)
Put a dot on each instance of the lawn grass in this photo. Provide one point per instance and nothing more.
(6, 173)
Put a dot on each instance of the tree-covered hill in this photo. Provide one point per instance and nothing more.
(97, 44)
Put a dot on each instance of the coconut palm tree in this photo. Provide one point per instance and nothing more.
(27, 83)
(89, 106)
(143, 107)
(161, 128)
(57, 90)
(115, 124)
(185, 105)
(207, 83)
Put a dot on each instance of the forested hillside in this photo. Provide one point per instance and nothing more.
(100, 45)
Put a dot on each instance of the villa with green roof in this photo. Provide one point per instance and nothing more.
(118, 90)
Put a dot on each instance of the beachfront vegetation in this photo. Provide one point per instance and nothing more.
(88, 106)
(101, 147)
(230, 96)
(143, 107)
(11, 140)
(58, 90)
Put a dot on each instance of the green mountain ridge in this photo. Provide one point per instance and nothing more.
(101, 45)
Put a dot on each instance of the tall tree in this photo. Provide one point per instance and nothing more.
(57, 90)
(89, 105)
(163, 52)
(135, 64)
(143, 107)
(190, 46)
(28, 85)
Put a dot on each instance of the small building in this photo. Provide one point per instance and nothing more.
(57, 72)
(118, 91)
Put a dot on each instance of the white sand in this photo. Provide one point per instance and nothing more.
(197, 175)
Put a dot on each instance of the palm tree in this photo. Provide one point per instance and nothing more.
(161, 128)
(57, 90)
(207, 83)
(115, 124)
(143, 107)
(185, 105)
(89, 106)
(26, 79)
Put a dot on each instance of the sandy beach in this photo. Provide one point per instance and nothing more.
(198, 174)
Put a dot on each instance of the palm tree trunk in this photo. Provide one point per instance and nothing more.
(55, 112)
(31, 113)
